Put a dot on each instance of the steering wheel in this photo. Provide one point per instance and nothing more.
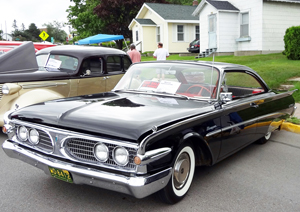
(200, 92)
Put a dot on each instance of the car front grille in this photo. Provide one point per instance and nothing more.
(1, 94)
(83, 150)
(45, 142)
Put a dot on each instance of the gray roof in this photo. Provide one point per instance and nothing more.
(145, 21)
(222, 5)
(173, 11)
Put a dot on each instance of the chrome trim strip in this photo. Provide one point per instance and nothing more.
(73, 134)
(154, 155)
(144, 142)
(137, 186)
(42, 85)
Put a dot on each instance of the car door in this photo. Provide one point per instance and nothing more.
(239, 118)
(115, 69)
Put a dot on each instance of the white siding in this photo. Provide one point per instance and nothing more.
(254, 7)
(206, 11)
(277, 17)
(227, 32)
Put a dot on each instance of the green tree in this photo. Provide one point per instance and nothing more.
(55, 30)
(15, 26)
(33, 32)
(116, 15)
(1, 33)
(82, 18)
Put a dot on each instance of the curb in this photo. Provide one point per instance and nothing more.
(290, 127)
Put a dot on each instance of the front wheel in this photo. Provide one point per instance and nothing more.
(264, 139)
(182, 176)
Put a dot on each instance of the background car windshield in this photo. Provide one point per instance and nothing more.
(60, 63)
(186, 79)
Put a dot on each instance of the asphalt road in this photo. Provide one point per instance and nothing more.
(258, 178)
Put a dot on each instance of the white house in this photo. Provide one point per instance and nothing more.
(171, 24)
(245, 27)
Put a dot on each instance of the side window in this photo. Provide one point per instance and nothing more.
(114, 63)
(127, 63)
(94, 65)
(241, 84)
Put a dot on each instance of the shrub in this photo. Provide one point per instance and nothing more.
(292, 43)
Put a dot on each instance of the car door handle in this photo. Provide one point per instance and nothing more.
(253, 104)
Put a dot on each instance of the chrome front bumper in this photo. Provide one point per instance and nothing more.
(137, 186)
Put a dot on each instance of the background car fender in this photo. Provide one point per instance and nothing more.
(35, 96)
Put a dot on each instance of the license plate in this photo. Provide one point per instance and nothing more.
(192, 47)
(61, 174)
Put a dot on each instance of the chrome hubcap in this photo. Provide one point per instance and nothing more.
(181, 170)
(268, 135)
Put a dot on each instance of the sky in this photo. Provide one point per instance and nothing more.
(38, 12)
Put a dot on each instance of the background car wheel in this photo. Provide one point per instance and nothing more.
(182, 176)
(264, 139)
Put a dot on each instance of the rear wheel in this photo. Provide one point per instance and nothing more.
(182, 176)
(264, 139)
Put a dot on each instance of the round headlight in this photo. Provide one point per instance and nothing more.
(121, 156)
(101, 152)
(34, 136)
(5, 89)
(23, 133)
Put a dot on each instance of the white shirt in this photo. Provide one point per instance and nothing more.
(161, 54)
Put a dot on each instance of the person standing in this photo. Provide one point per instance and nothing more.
(134, 54)
(160, 54)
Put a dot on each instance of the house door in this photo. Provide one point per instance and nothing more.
(212, 31)
(137, 40)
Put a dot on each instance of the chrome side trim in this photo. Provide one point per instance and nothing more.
(42, 85)
(154, 155)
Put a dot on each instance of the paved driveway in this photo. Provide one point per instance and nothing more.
(258, 178)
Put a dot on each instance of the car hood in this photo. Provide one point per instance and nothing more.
(123, 115)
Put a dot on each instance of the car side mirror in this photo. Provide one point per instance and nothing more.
(226, 96)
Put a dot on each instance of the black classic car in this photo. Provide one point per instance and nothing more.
(150, 132)
(56, 72)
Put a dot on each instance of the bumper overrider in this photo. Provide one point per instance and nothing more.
(137, 186)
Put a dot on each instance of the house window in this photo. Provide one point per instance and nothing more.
(197, 33)
(158, 34)
(180, 33)
(244, 25)
(136, 35)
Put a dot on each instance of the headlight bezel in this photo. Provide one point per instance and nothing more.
(30, 139)
(19, 133)
(116, 156)
(10, 88)
(105, 148)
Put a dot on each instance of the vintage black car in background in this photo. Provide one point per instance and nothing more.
(147, 135)
(57, 72)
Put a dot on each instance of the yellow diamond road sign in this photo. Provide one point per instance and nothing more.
(44, 35)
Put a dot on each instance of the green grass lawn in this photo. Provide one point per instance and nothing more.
(275, 69)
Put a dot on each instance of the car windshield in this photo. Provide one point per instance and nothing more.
(60, 63)
(189, 80)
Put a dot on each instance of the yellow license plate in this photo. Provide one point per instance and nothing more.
(61, 174)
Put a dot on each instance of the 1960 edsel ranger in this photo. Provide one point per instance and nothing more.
(57, 72)
(148, 134)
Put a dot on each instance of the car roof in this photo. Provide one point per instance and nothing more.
(219, 65)
(81, 51)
